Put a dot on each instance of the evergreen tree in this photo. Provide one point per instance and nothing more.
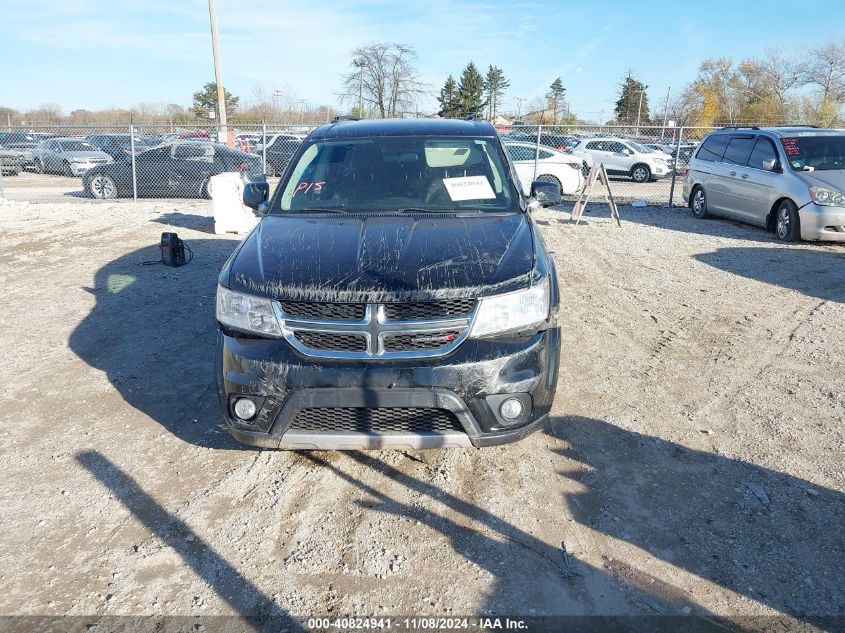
(205, 100)
(449, 99)
(471, 91)
(495, 85)
(628, 106)
(556, 99)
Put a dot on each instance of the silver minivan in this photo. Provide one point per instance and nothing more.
(790, 180)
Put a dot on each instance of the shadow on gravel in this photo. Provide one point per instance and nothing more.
(812, 272)
(152, 331)
(533, 578)
(202, 223)
(757, 532)
(681, 219)
(259, 611)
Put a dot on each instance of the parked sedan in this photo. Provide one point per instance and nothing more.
(11, 161)
(180, 169)
(562, 169)
(67, 156)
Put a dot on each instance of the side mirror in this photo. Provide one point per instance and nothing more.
(547, 194)
(770, 165)
(256, 194)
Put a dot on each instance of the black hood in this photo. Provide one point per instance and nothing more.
(383, 257)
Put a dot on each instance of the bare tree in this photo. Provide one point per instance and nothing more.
(385, 77)
(827, 72)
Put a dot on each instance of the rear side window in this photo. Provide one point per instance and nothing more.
(762, 152)
(738, 151)
(713, 148)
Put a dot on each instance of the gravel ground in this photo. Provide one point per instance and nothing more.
(694, 463)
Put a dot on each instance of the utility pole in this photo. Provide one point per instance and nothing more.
(639, 112)
(361, 64)
(302, 103)
(519, 101)
(665, 113)
(223, 132)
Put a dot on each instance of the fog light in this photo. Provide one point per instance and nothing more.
(511, 409)
(244, 408)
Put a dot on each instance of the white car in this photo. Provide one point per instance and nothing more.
(552, 166)
(624, 157)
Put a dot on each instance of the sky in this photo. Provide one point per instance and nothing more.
(116, 53)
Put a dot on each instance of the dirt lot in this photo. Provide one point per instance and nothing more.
(694, 463)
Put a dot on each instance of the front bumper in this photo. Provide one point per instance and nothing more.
(820, 223)
(77, 169)
(468, 383)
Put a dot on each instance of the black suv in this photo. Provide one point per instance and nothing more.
(396, 294)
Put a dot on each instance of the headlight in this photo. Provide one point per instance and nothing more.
(512, 312)
(247, 313)
(827, 197)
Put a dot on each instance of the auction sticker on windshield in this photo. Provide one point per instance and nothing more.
(469, 188)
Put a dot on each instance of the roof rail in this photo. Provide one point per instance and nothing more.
(345, 117)
(802, 125)
(740, 127)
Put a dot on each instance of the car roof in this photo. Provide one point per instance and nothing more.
(403, 127)
(781, 132)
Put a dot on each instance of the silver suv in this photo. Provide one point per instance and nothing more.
(790, 180)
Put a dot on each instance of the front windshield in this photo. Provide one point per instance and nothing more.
(641, 149)
(75, 146)
(399, 172)
(821, 153)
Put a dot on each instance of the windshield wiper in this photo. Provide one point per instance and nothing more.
(337, 211)
(421, 210)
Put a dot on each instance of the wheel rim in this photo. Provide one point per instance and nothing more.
(102, 187)
(639, 174)
(783, 223)
(698, 201)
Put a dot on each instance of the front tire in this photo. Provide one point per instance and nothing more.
(66, 170)
(698, 203)
(640, 173)
(102, 187)
(787, 222)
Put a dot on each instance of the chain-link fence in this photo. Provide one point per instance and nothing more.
(65, 163)
(643, 162)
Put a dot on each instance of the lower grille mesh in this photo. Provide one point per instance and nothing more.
(376, 420)
(334, 342)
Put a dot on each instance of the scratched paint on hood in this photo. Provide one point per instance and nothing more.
(384, 257)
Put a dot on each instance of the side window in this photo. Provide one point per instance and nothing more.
(595, 145)
(545, 154)
(194, 152)
(518, 152)
(713, 148)
(762, 152)
(738, 150)
(616, 147)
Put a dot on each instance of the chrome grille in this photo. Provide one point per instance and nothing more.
(376, 420)
(373, 331)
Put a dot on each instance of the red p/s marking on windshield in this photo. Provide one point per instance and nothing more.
(307, 186)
